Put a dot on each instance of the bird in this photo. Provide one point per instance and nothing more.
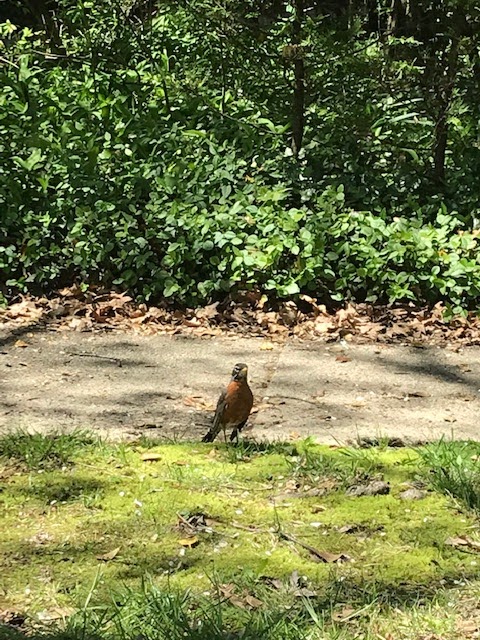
(233, 406)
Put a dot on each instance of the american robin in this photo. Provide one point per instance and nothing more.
(233, 406)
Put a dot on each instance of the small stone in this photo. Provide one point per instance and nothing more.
(412, 494)
(376, 488)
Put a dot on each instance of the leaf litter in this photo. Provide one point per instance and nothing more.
(245, 313)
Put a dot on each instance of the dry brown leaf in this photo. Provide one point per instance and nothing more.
(275, 583)
(12, 618)
(247, 601)
(318, 508)
(110, 555)
(228, 592)
(345, 614)
(463, 541)
(342, 358)
(58, 613)
(192, 322)
(467, 627)
(253, 602)
(324, 325)
(227, 589)
(150, 456)
(313, 303)
(209, 312)
(20, 344)
(198, 403)
(71, 292)
(326, 556)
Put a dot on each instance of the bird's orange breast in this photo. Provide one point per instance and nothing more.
(239, 402)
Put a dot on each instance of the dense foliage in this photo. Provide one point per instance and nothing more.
(184, 149)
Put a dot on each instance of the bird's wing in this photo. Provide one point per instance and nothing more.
(217, 419)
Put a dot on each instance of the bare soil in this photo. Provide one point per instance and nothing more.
(124, 384)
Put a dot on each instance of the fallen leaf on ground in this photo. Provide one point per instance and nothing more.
(318, 508)
(253, 602)
(243, 601)
(193, 322)
(150, 456)
(275, 583)
(189, 542)
(12, 618)
(467, 627)
(194, 522)
(342, 359)
(21, 344)
(58, 613)
(227, 591)
(463, 541)
(345, 614)
(209, 312)
(110, 555)
(80, 310)
(198, 403)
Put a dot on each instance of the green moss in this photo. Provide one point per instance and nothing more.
(57, 524)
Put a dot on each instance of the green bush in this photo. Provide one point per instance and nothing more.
(120, 175)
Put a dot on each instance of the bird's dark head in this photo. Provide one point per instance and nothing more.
(240, 371)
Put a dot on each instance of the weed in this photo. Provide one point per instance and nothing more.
(453, 468)
(39, 451)
(245, 450)
(364, 461)
(171, 615)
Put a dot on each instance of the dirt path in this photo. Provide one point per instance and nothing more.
(123, 385)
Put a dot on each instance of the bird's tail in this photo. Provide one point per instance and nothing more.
(214, 430)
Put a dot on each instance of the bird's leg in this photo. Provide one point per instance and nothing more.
(225, 434)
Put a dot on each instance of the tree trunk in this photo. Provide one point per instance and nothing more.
(298, 107)
(43, 12)
(444, 91)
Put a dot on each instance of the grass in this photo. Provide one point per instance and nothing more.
(149, 540)
(37, 451)
(454, 469)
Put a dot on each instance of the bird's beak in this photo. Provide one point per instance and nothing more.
(244, 371)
